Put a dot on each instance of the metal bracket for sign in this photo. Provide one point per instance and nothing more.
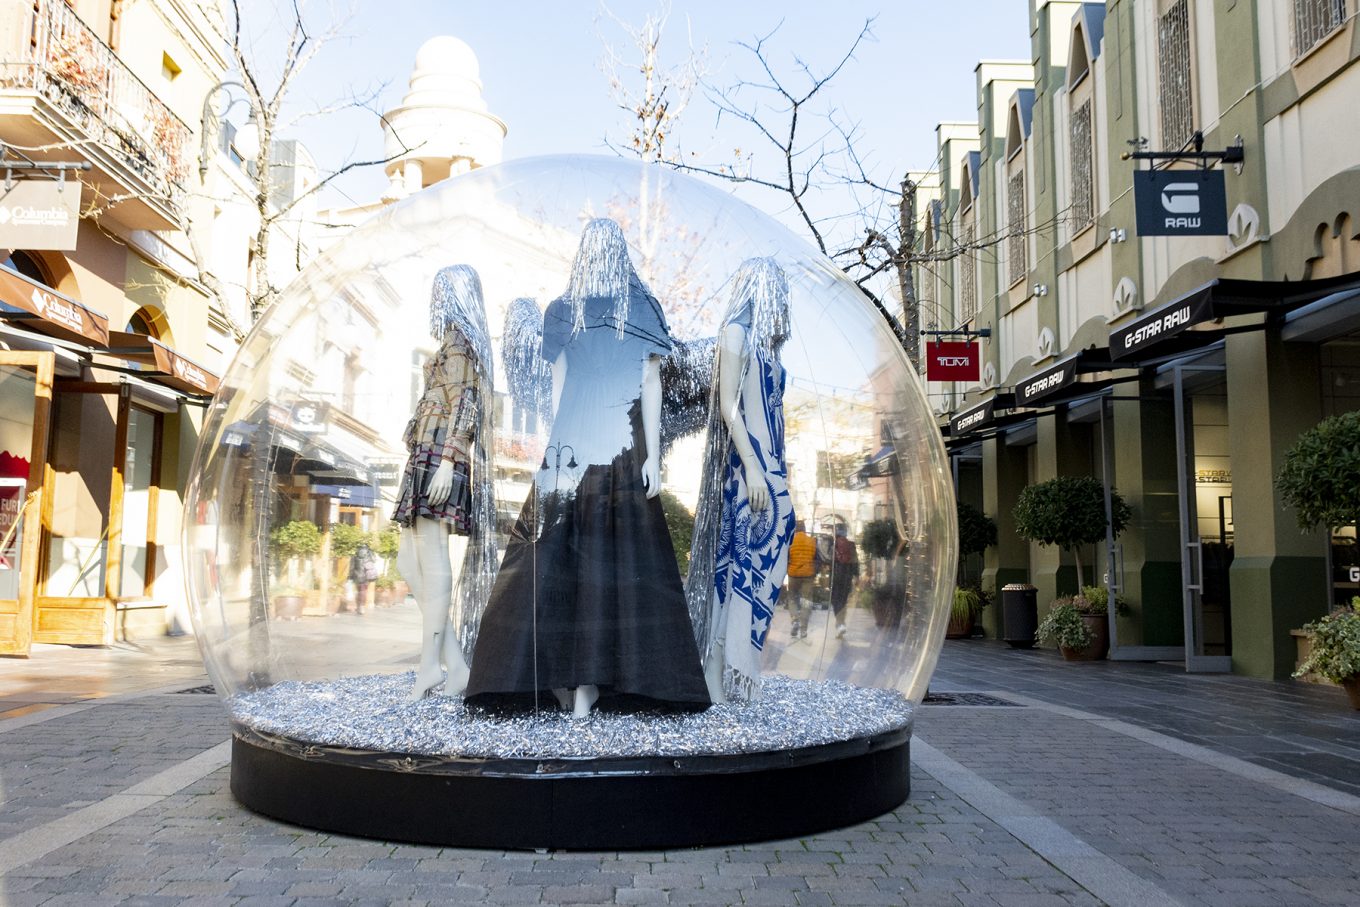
(961, 332)
(27, 163)
(1233, 154)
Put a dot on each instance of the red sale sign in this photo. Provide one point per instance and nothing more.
(952, 360)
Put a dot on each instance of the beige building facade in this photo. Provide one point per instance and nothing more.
(1191, 426)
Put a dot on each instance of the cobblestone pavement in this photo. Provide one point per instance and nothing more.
(1105, 783)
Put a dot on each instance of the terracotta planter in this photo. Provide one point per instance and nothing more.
(1099, 627)
(959, 628)
(1086, 654)
(288, 607)
(1352, 687)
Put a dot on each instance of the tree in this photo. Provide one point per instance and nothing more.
(873, 237)
(266, 90)
(1320, 478)
(1069, 511)
(977, 533)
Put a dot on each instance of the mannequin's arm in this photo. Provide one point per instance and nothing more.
(462, 408)
(731, 365)
(651, 425)
(559, 379)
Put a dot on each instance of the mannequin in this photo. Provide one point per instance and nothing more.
(745, 520)
(588, 606)
(443, 487)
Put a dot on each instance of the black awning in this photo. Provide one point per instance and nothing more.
(1057, 379)
(883, 463)
(1155, 334)
(978, 417)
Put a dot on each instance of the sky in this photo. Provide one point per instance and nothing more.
(541, 72)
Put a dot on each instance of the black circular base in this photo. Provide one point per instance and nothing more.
(597, 804)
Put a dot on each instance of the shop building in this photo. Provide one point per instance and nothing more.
(110, 346)
(1176, 369)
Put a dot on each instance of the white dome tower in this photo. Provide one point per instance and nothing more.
(443, 120)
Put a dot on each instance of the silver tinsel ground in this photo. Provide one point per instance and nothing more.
(371, 713)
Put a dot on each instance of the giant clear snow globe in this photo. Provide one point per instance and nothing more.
(571, 503)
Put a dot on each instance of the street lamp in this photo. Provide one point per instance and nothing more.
(247, 137)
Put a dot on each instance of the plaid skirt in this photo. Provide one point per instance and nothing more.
(411, 500)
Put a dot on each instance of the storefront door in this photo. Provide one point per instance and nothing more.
(25, 407)
(1204, 474)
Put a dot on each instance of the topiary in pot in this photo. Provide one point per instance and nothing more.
(1320, 478)
(977, 533)
(880, 538)
(1069, 511)
(1335, 652)
(345, 539)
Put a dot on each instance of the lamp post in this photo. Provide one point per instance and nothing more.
(247, 139)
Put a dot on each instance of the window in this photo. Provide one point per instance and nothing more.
(1315, 20)
(1015, 219)
(1083, 194)
(1175, 87)
(967, 277)
(28, 266)
(170, 70)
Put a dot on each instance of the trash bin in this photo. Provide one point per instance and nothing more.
(1019, 614)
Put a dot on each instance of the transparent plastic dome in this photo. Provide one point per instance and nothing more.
(311, 443)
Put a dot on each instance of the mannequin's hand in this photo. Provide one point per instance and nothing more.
(440, 484)
(757, 491)
(651, 476)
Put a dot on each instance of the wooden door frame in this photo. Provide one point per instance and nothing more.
(30, 543)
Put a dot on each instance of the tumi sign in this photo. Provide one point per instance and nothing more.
(952, 361)
(1180, 202)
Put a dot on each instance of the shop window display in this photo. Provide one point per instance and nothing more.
(597, 648)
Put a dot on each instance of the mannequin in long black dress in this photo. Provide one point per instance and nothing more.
(589, 597)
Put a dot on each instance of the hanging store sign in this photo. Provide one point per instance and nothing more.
(40, 214)
(46, 310)
(952, 360)
(1180, 202)
(972, 419)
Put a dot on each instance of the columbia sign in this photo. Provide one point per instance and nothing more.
(40, 214)
(1180, 202)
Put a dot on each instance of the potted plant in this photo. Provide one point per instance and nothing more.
(1069, 511)
(344, 542)
(967, 605)
(1335, 651)
(384, 595)
(1064, 627)
(288, 544)
(1094, 607)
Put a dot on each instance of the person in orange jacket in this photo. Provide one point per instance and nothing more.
(803, 563)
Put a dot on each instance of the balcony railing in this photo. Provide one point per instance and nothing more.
(62, 59)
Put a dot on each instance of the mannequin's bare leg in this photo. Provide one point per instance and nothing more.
(586, 694)
(424, 553)
(455, 664)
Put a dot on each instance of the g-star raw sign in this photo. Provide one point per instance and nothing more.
(1159, 324)
(40, 214)
(972, 419)
(1180, 202)
(1046, 383)
(952, 361)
